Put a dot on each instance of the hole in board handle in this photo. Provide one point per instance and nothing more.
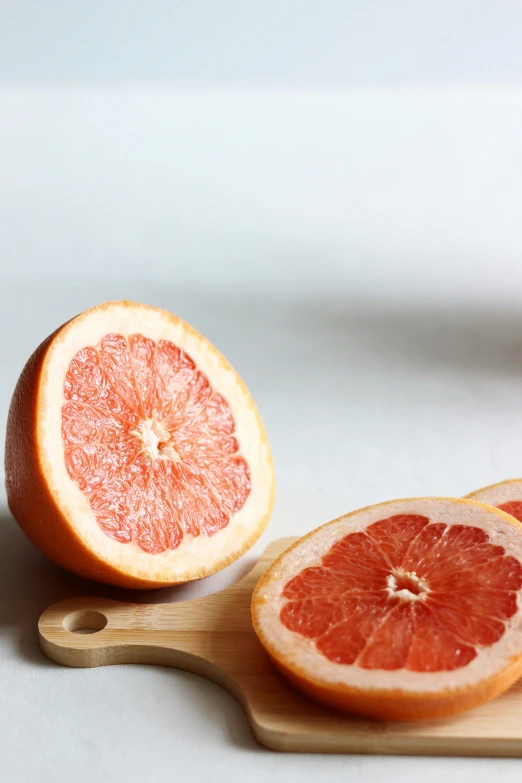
(85, 621)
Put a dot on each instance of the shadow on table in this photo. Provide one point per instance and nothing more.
(464, 338)
(29, 583)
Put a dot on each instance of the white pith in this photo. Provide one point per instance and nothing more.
(156, 440)
(404, 594)
(194, 555)
(300, 653)
(497, 494)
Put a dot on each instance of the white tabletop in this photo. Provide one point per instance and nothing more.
(358, 258)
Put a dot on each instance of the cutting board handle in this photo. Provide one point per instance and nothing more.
(210, 636)
(85, 631)
(88, 632)
(194, 635)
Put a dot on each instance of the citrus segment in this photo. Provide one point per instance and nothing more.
(143, 460)
(400, 610)
(514, 508)
(150, 443)
(383, 601)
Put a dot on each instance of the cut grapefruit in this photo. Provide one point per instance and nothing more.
(405, 610)
(135, 454)
(506, 495)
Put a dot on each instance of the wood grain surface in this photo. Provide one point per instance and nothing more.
(213, 637)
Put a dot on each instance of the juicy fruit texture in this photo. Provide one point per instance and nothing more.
(150, 443)
(407, 593)
(407, 610)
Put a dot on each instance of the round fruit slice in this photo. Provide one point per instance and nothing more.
(507, 495)
(408, 609)
(135, 454)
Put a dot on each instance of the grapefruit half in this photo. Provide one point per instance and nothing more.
(135, 454)
(506, 495)
(405, 610)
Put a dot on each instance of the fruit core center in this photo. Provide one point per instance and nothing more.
(406, 585)
(157, 440)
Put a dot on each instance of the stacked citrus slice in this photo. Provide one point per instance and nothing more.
(507, 495)
(408, 609)
(135, 454)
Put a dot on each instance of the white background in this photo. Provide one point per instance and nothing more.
(261, 42)
(331, 193)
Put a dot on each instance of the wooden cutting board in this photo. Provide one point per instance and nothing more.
(213, 637)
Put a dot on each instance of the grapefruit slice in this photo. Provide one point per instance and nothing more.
(135, 454)
(506, 495)
(404, 610)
